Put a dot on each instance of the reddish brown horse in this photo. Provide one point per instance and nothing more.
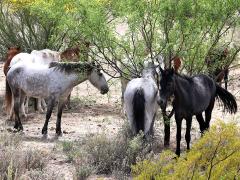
(12, 51)
(176, 63)
(76, 53)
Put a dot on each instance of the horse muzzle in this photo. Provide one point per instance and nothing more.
(162, 104)
(104, 90)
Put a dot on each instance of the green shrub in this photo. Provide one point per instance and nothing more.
(102, 154)
(215, 156)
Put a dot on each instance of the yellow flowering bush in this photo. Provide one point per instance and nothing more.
(215, 156)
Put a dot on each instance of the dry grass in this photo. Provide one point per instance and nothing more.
(100, 154)
(19, 163)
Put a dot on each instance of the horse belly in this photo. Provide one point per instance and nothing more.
(36, 86)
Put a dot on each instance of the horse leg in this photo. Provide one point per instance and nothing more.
(61, 105)
(39, 106)
(44, 104)
(226, 78)
(201, 122)
(208, 113)
(188, 131)
(35, 104)
(178, 135)
(151, 132)
(26, 104)
(12, 114)
(68, 106)
(22, 99)
(16, 107)
(50, 106)
(166, 130)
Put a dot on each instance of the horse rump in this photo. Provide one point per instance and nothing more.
(139, 109)
(227, 99)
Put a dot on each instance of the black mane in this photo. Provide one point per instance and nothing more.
(186, 77)
(71, 67)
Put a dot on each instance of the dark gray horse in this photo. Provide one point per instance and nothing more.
(192, 96)
(53, 82)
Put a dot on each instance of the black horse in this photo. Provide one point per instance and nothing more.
(192, 96)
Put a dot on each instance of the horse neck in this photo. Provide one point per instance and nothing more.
(181, 87)
(149, 76)
(79, 78)
(7, 63)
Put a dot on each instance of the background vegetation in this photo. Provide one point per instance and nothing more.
(189, 29)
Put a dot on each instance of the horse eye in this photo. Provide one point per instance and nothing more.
(100, 74)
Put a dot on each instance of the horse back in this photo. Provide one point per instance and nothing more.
(204, 90)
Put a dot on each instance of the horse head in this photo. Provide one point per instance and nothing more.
(12, 51)
(166, 88)
(98, 79)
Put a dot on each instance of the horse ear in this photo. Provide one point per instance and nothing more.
(93, 63)
(8, 48)
(161, 70)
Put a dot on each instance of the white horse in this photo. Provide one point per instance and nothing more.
(140, 100)
(41, 57)
(53, 82)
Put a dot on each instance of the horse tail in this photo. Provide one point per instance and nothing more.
(139, 109)
(228, 100)
(8, 97)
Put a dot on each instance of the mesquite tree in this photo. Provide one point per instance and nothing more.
(186, 28)
(19, 27)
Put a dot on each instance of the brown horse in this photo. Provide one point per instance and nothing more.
(75, 54)
(176, 63)
(12, 51)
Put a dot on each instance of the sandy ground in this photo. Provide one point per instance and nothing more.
(93, 113)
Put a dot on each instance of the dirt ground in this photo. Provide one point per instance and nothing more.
(93, 113)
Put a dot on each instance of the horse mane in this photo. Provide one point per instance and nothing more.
(71, 67)
(186, 77)
(12, 51)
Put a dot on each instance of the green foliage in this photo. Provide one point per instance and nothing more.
(20, 27)
(215, 156)
(190, 29)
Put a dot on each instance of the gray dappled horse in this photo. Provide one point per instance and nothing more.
(192, 96)
(53, 82)
(140, 100)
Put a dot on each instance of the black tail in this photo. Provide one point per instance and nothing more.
(227, 98)
(139, 109)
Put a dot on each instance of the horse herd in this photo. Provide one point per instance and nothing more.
(41, 75)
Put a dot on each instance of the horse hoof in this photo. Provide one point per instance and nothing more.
(44, 132)
(166, 145)
(16, 126)
(20, 128)
(59, 133)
